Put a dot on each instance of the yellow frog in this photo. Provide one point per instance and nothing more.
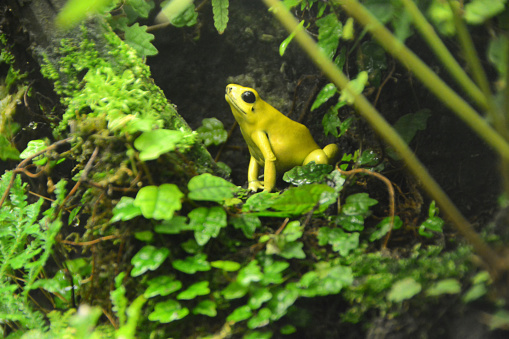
(274, 140)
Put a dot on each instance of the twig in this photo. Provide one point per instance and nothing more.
(390, 189)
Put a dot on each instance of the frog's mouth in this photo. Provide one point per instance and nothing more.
(232, 102)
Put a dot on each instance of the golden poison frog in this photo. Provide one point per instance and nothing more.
(275, 141)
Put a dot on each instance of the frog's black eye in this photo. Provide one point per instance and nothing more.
(248, 97)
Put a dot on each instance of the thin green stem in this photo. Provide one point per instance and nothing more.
(389, 134)
(438, 87)
(451, 65)
(478, 73)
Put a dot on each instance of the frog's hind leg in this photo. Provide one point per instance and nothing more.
(326, 155)
(332, 151)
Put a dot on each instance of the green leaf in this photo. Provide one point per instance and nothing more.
(196, 289)
(478, 11)
(433, 224)
(234, 290)
(355, 86)
(250, 273)
(141, 7)
(384, 226)
(137, 37)
(191, 265)
(145, 236)
(445, 286)
(260, 201)
(168, 311)
(331, 123)
(383, 10)
(283, 298)
(358, 204)
(302, 199)
(288, 329)
(152, 144)
(409, 124)
(162, 285)
(259, 296)
(286, 42)
(33, 147)
(148, 258)
(7, 150)
(173, 226)
(220, 10)
(206, 307)
(404, 289)
(498, 54)
(442, 16)
(325, 280)
(341, 241)
(159, 202)
(239, 314)
(247, 223)
(329, 32)
(188, 17)
(207, 187)
(212, 132)
(475, 292)
(307, 174)
(226, 265)
(292, 250)
(260, 319)
(207, 223)
(273, 272)
(125, 210)
(75, 11)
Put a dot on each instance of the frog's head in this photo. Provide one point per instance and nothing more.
(244, 102)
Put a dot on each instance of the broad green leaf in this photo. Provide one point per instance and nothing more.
(234, 290)
(239, 314)
(250, 273)
(196, 289)
(247, 223)
(125, 210)
(273, 272)
(331, 123)
(172, 226)
(33, 147)
(293, 231)
(145, 236)
(341, 241)
(206, 187)
(499, 320)
(302, 199)
(141, 7)
(152, 144)
(478, 11)
(446, 286)
(260, 201)
(498, 54)
(207, 223)
(329, 32)
(325, 280)
(260, 319)
(226, 265)
(159, 202)
(187, 18)
(282, 299)
(220, 10)
(307, 174)
(475, 292)
(288, 329)
(384, 226)
(212, 132)
(191, 265)
(148, 258)
(162, 285)
(137, 37)
(293, 250)
(404, 289)
(358, 204)
(206, 307)
(409, 124)
(168, 311)
(259, 296)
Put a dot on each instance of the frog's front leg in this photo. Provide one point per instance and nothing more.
(262, 142)
(252, 175)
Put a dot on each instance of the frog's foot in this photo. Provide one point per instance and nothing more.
(323, 156)
(255, 185)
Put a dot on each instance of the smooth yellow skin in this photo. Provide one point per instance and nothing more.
(275, 141)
